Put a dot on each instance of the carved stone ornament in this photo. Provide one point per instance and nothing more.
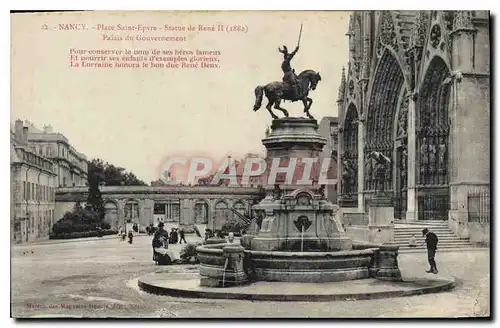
(351, 88)
(403, 118)
(357, 68)
(303, 200)
(463, 21)
(302, 223)
(387, 33)
(435, 35)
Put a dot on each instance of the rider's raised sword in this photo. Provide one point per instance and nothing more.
(300, 34)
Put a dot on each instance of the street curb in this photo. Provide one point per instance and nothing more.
(442, 285)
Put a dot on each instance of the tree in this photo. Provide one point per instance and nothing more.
(94, 198)
(111, 175)
(158, 183)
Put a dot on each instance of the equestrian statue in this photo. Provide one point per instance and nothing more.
(292, 87)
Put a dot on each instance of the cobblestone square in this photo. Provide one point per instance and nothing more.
(98, 278)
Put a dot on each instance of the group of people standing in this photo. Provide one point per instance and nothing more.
(163, 238)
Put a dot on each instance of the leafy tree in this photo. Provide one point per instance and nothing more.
(158, 183)
(94, 197)
(111, 175)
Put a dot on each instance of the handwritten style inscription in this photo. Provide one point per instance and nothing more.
(110, 54)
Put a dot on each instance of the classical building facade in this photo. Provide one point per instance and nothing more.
(70, 166)
(211, 205)
(329, 129)
(33, 184)
(417, 89)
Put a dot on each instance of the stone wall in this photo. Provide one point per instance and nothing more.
(438, 62)
(144, 197)
(479, 233)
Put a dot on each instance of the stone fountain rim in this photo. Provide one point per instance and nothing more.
(368, 251)
(218, 249)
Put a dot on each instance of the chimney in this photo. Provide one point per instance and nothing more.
(18, 130)
(47, 129)
(25, 135)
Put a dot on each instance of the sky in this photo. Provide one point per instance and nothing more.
(137, 117)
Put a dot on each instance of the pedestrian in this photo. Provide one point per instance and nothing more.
(160, 239)
(413, 242)
(181, 236)
(431, 240)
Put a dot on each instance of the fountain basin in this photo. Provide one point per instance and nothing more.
(225, 265)
(311, 266)
(222, 265)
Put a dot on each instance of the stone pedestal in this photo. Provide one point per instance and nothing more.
(347, 201)
(300, 221)
(297, 216)
(223, 268)
(215, 240)
(387, 266)
(381, 220)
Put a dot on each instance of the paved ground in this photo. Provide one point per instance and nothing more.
(98, 278)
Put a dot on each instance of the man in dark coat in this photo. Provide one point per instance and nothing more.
(182, 236)
(160, 239)
(431, 240)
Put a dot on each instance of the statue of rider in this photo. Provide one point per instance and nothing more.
(289, 78)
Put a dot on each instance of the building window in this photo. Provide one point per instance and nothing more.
(32, 191)
(25, 196)
(28, 191)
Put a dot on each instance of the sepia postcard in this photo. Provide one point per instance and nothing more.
(250, 164)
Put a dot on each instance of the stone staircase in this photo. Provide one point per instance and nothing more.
(447, 240)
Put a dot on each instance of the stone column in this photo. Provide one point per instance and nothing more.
(412, 198)
(211, 214)
(147, 212)
(186, 216)
(361, 165)
(121, 212)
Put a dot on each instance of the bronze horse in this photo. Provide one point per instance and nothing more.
(277, 91)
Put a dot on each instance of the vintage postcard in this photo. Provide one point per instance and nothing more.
(250, 164)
